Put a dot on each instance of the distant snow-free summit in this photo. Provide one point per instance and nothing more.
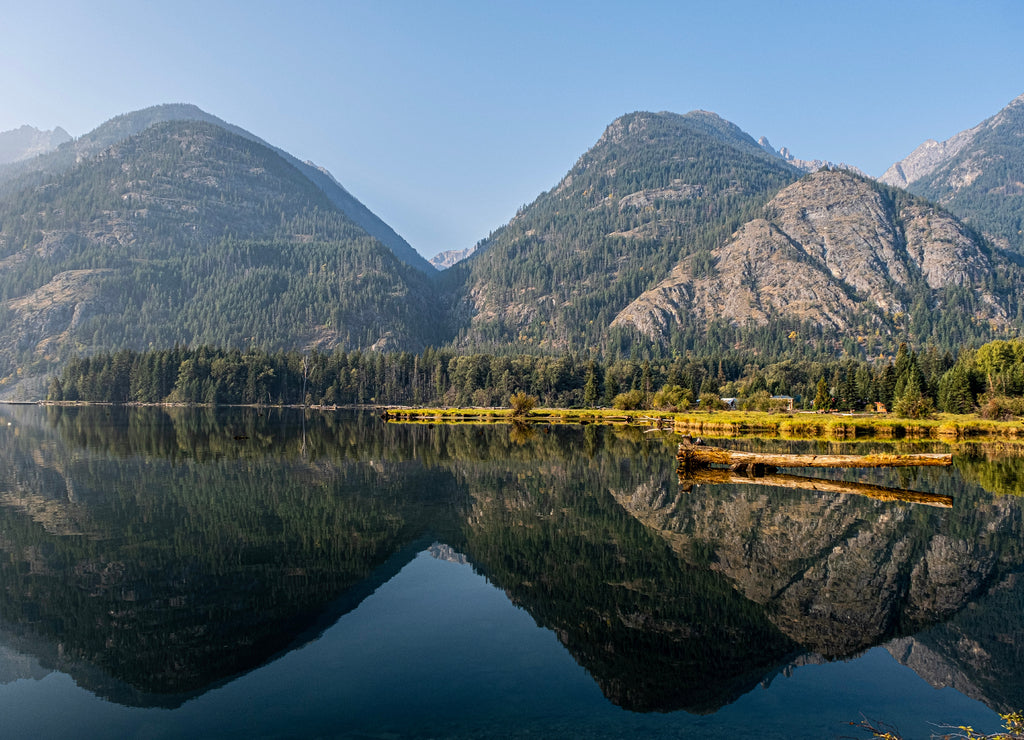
(26, 142)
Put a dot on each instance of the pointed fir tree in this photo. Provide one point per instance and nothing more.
(821, 398)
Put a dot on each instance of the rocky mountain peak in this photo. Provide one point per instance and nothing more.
(978, 174)
(932, 155)
(831, 246)
(807, 165)
(928, 157)
(26, 142)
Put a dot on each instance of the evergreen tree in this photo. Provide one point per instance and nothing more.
(590, 389)
(955, 395)
(821, 397)
(611, 386)
(913, 404)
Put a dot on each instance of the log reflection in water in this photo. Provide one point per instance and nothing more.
(778, 480)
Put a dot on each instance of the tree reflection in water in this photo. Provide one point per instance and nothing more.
(154, 554)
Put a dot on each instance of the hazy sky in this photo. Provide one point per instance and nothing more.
(443, 117)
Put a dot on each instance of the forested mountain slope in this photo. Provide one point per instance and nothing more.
(657, 187)
(845, 255)
(121, 127)
(188, 233)
(978, 174)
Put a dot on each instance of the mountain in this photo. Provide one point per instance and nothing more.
(839, 252)
(978, 174)
(27, 142)
(187, 233)
(656, 187)
(807, 165)
(122, 127)
(444, 260)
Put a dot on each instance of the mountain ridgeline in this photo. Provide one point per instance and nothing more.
(978, 174)
(26, 142)
(673, 234)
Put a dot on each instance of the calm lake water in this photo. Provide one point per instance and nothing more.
(235, 574)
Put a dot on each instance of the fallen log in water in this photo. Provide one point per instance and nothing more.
(702, 456)
(778, 480)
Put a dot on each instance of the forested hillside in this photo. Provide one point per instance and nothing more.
(188, 234)
(675, 236)
(657, 187)
(35, 171)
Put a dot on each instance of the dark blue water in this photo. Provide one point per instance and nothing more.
(439, 652)
(386, 638)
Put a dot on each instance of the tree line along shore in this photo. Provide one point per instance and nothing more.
(988, 381)
(927, 393)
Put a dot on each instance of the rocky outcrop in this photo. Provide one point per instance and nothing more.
(761, 273)
(834, 250)
(46, 319)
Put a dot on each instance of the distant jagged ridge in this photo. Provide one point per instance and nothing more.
(27, 142)
(978, 174)
(444, 260)
(807, 165)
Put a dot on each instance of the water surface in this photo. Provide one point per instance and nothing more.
(244, 573)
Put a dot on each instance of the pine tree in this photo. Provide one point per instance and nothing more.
(821, 399)
(913, 404)
(590, 389)
(955, 395)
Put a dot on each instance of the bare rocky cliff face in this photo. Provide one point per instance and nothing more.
(832, 249)
(926, 159)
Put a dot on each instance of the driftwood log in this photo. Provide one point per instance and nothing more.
(693, 457)
(800, 482)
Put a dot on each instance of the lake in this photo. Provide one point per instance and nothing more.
(238, 573)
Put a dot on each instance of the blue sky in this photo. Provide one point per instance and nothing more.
(444, 117)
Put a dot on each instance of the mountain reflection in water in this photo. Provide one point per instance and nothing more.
(155, 554)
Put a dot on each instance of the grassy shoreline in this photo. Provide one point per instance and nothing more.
(796, 425)
(950, 427)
